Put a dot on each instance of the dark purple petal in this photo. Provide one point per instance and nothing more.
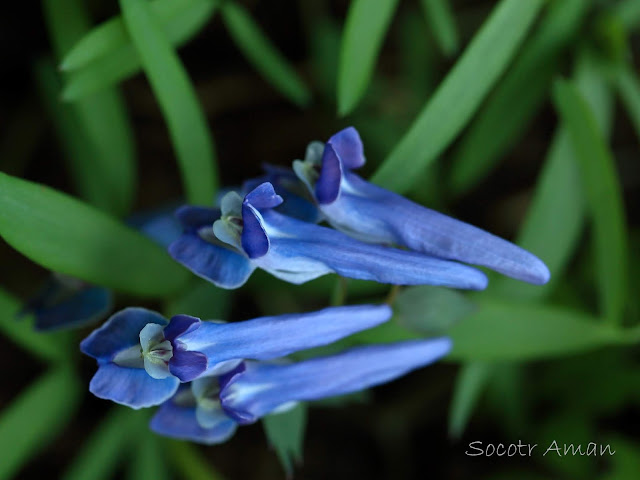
(187, 366)
(348, 146)
(132, 387)
(220, 265)
(263, 196)
(192, 218)
(255, 242)
(179, 325)
(328, 184)
(262, 387)
(120, 331)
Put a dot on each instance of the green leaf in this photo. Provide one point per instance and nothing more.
(470, 383)
(556, 217)
(518, 97)
(431, 310)
(460, 94)
(50, 347)
(68, 236)
(105, 56)
(148, 463)
(625, 464)
(36, 417)
(285, 432)
(263, 55)
(502, 331)
(628, 85)
(201, 299)
(628, 11)
(96, 130)
(443, 25)
(108, 444)
(177, 98)
(189, 462)
(604, 197)
(364, 31)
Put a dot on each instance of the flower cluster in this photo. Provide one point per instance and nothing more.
(208, 377)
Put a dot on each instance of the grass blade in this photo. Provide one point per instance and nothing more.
(149, 461)
(35, 417)
(285, 432)
(604, 197)
(187, 460)
(68, 236)
(459, 95)
(471, 381)
(442, 22)
(518, 97)
(263, 55)
(99, 456)
(106, 170)
(50, 347)
(364, 31)
(628, 85)
(177, 98)
(628, 11)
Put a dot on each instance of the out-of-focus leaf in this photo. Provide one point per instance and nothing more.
(108, 444)
(363, 396)
(628, 86)
(604, 197)
(459, 95)
(285, 432)
(420, 58)
(557, 212)
(47, 346)
(469, 385)
(201, 299)
(443, 25)
(364, 31)
(35, 417)
(68, 236)
(501, 331)
(431, 310)
(106, 56)
(105, 169)
(628, 11)
(148, 462)
(625, 464)
(177, 98)
(325, 48)
(188, 461)
(179, 20)
(263, 55)
(518, 97)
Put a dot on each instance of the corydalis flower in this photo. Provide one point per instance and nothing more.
(248, 234)
(374, 214)
(142, 357)
(211, 409)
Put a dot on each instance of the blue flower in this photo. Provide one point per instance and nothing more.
(142, 357)
(373, 214)
(211, 409)
(247, 234)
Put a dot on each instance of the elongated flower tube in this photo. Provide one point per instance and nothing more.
(142, 357)
(373, 214)
(211, 409)
(297, 251)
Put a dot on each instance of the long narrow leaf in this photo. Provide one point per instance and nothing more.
(148, 462)
(460, 94)
(443, 25)
(68, 236)
(628, 86)
(518, 97)
(604, 197)
(187, 460)
(185, 119)
(364, 31)
(49, 347)
(285, 432)
(263, 55)
(98, 458)
(35, 417)
(102, 119)
(469, 385)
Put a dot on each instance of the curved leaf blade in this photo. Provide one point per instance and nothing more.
(285, 432)
(263, 55)
(470, 383)
(68, 236)
(365, 28)
(442, 22)
(459, 95)
(178, 100)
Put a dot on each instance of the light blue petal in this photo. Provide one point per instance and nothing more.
(215, 263)
(180, 422)
(301, 251)
(120, 331)
(132, 387)
(262, 388)
(272, 337)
